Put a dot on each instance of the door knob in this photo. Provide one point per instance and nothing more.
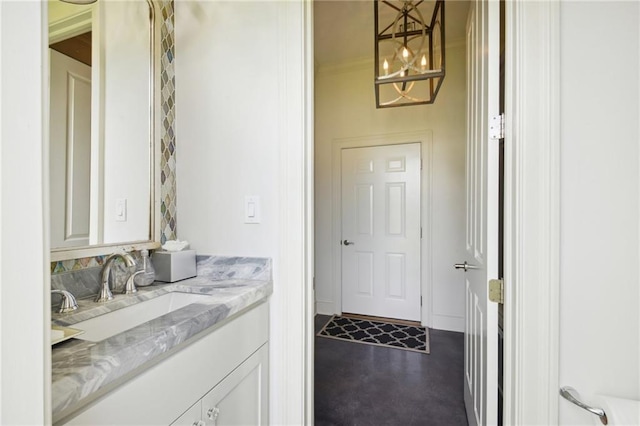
(465, 266)
(348, 243)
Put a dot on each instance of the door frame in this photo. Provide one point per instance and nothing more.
(532, 212)
(425, 139)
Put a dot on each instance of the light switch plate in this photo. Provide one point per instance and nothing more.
(252, 209)
(121, 210)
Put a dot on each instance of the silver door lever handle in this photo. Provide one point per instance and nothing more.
(465, 266)
(572, 395)
(348, 243)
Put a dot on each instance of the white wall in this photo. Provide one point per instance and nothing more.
(345, 108)
(241, 129)
(600, 203)
(122, 69)
(24, 257)
(226, 125)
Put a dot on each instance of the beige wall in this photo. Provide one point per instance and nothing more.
(345, 108)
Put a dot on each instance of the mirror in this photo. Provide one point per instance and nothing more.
(101, 141)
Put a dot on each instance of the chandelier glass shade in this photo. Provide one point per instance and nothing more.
(409, 51)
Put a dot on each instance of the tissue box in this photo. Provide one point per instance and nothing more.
(174, 266)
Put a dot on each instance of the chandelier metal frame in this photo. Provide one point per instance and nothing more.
(409, 52)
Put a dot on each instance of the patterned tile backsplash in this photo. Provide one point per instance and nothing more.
(76, 264)
(84, 281)
(167, 133)
(167, 144)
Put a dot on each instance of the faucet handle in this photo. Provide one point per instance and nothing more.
(130, 287)
(69, 302)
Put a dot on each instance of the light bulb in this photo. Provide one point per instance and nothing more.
(405, 53)
(423, 62)
(385, 65)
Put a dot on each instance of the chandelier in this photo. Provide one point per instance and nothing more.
(409, 51)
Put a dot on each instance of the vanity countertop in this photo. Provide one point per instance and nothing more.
(83, 369)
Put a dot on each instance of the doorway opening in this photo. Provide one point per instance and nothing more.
(345, 112)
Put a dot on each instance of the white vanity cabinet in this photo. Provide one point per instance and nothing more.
(240, 399)
(224, 370)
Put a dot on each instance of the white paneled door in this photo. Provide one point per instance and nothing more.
(70, 150)
(381, 231)
(481, 318)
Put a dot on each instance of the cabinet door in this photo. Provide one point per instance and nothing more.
(191, 417)
(241, 398)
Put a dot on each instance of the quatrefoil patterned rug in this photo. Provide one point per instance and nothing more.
(407, 337)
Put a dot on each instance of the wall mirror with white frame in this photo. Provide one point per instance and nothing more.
(102, 127)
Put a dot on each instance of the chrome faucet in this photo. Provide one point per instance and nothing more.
(105, 291)
(68, 301)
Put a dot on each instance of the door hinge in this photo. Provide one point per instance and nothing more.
(421, 164)
(420, 300)
(421, 232)
(496, 291)
(496, 127)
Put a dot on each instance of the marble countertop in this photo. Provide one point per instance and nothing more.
(82, 370)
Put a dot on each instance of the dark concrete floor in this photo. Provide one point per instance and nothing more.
(357, 384)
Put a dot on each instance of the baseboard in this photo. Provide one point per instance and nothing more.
(325, 308)
(447, 323)
(382, 319)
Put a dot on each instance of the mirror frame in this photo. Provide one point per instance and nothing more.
(75, 25)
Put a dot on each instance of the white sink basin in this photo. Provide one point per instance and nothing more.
(112, 323)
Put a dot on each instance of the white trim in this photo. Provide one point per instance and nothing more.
(46, 206)
(70, 26)
(425, 138)
(448, 323)
(24, 276)
(532, 213)
(291, 366)
(325, 307)
(98, 90)
(156, 114)
(101, 250)
(308, 310)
